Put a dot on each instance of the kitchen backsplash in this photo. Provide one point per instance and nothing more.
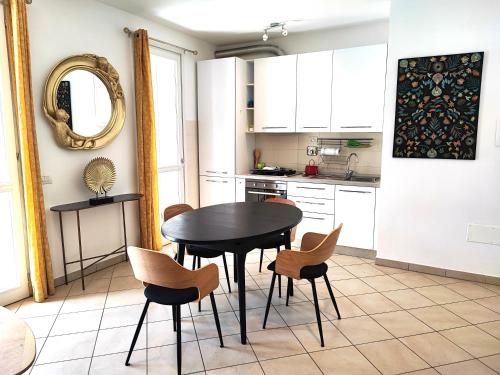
(289, 150)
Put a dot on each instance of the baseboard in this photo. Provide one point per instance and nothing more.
(356, 252)
(95, 268)
(468, 276)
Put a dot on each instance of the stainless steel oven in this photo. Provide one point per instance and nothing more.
(260, 190)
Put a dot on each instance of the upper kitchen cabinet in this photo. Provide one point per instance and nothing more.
(275, 94)
(314, 91)
(358, 89)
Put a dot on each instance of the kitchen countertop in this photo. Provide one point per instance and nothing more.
(314, 180)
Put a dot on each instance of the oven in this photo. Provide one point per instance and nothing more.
(260, 190)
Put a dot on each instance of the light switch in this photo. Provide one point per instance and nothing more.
(46, 180)
(497, 135)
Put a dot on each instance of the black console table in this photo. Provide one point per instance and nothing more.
(84, 205)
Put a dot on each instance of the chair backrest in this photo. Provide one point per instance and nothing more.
(324, 250)
(284, 201)
(175, 210)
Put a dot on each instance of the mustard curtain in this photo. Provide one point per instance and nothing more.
(149, 213)
(16, 26)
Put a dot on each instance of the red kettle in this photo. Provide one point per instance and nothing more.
(311, 169)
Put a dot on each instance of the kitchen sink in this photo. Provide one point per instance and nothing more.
(341, 177)
(364, 179)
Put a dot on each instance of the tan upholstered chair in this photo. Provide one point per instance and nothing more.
(168, 283)
(308, 263)
(197, 252)
(277, 241)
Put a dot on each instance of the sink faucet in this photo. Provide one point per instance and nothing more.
(348, 170)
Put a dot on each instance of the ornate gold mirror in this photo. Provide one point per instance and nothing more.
(84, 102)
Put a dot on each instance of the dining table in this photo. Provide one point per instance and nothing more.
(235, 228)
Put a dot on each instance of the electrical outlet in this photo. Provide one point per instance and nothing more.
(312, 150)
(46, 180)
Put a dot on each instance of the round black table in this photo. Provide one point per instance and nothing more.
(232, 227)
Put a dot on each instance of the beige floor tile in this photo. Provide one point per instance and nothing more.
(233, 353)
(321, 290)
(362, 330)
(492, 362)
(74, 367)
(492, 287)
(471, 290)
(345, 361)
(383, 283)
(391, 357)
(84, 302)
(308, 335)
(255, 319)
(221, 301)
(472, 312)
(352, 287)
(67, 347)
(363, 270)
(414, 279)
(339, 273)
(346, 260)
(389, 270)
(248, 369)
(408, 298)
(14, 306)
(493, 328)
(274, 343)
(401, 323)
(125, 283)
(374, 303)
(298, 313)
(435, 349)
(30, 308)
(163, 359)
(442, 279)
(123, 269)
(296, 365)
(76, 322)
(206, 328)
(115, 363)
(125, 297)
(468, 367)
(250, 283)
(346, 307)
(474, 341)
(427, 371)
(157, 312)
(121, 316)
(440, 294)
(92, 286)
(438, 317)
(162, 333)
(105, 273)
(116, 340)
(492, 303)
(41, 325)
(297, 297)
(254, 299)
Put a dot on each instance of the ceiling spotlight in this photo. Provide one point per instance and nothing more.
(284, 30)
(265, 37)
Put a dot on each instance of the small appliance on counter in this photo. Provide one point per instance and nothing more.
(274, 171)
(311, 169)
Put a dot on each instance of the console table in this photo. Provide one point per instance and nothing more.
(84, 205)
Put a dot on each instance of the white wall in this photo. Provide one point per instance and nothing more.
(425, 205)
(58, 29)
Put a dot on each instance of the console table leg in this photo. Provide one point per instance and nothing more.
(180, 253)
(80, 248)
(125, 231)
(63, 249)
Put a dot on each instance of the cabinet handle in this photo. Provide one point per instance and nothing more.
(314, 218)
(216, 181)
(314, 127)
(211, 171)
(318, 204)
(263, 193)
(355, 191)
(357, 127)
(274, 127)
(309, 188)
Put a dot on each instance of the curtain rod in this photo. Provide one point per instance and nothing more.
(129, 32)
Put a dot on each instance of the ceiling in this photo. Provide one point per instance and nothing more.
(234, 21)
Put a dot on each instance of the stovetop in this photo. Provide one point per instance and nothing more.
(274, 172)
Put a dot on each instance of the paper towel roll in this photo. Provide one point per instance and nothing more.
(329, 151)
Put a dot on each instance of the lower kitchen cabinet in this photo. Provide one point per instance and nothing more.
(313, 222)
(216, 190)
(355, 209)
(240, 189)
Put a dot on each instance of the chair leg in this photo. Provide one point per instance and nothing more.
(288, 286)
(174, 319)
(137, 331)
(179, 340)
(332, 296)
(269, 298)
(279, 276)
(199, 266)
(199, 262)
(316, 307)
(216, 317)
(194, 262)
(227, 272)
(261, 259)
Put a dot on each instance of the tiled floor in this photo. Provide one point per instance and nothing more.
(394, 321)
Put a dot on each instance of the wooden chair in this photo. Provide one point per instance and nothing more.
(196, 251)
(168, 283)
(277, 241)
(308, 263)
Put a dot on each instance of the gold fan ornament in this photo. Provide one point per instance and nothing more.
(99, 176)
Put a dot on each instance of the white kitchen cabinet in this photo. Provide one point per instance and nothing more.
(216, 190)
(358, 89)
(312, 190)
(313, 222)
(275, 94)
(355, 209)
(314, 91)
(216, 116)
(240, 190)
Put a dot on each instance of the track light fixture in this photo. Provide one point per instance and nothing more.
(274, 26)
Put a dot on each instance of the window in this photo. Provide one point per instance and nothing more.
(166, 77)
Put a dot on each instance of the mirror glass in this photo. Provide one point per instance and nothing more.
(86, 100)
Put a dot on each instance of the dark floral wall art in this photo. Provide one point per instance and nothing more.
(437, 106)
